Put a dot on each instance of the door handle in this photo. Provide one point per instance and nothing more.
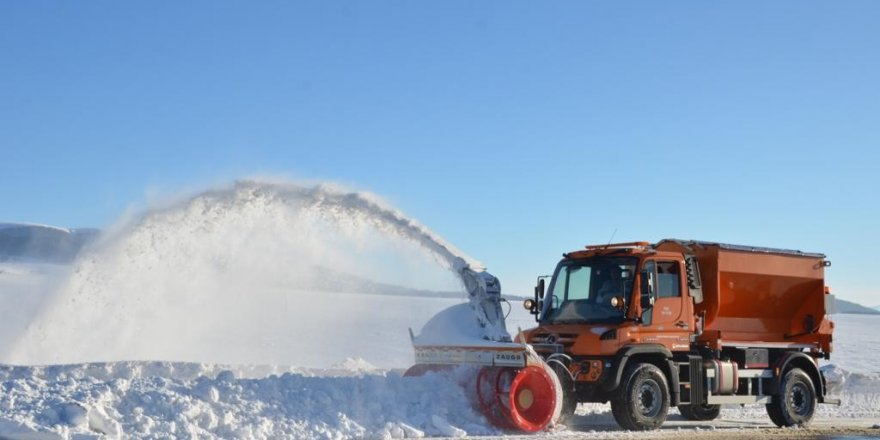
(681, 324)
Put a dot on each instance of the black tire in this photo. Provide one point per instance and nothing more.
(700, 413)
(569, 400)
(795, 402)
(641, 403)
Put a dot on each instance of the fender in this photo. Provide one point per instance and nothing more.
(655, 351)
(562, 361)
(800, 360)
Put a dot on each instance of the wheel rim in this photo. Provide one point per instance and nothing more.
(648, 399)
(798, 397)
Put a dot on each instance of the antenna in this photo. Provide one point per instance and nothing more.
(612, 238)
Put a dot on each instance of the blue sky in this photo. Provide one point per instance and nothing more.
(516, 130)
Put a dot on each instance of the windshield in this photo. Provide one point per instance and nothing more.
(581, 290)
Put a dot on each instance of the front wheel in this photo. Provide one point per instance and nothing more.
(795, 402)
(642, 401)
(701, 413)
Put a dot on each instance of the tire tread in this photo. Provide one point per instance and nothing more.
(622, 407)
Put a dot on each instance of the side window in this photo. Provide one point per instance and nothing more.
(560, 285)
(572, 283)
(579, 283)
(668, 279)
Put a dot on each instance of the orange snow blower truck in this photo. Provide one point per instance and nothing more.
(686, 323)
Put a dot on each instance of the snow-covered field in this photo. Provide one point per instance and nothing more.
(352, 400)
(205, 319)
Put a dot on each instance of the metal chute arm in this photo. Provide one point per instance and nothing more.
(484, 295)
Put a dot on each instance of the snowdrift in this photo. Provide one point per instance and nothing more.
(178, 400)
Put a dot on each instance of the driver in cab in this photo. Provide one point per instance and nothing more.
(611, 284)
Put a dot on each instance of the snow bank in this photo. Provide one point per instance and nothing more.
(859, 392)
(202, 401)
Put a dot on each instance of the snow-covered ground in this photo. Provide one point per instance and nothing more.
(204, 319)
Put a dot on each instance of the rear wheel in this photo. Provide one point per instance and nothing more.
(700, 413)
(642, 401)
(795, 402)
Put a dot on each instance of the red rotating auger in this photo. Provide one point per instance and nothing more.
(514, 389)
(521, 399)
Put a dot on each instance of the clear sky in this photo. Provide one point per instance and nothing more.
(516, 130)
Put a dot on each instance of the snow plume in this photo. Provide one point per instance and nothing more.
(253, 273)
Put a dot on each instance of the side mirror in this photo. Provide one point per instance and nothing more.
(534, 306)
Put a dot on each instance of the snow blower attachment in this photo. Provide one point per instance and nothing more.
(514, 388)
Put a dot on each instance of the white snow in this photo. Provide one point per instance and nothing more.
(237, 275)
(352, 400)
(598, 330)
(856, 345)
(244, 275)
(197, 401)
(455, 326)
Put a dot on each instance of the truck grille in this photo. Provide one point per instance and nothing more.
(564, 339)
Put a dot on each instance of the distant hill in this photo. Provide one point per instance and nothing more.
(853, 308)
(48, 244)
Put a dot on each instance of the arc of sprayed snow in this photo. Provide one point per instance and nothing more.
(383, 217)
(483, 289)
(375, 212)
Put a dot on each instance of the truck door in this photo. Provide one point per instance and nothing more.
(667, 321)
